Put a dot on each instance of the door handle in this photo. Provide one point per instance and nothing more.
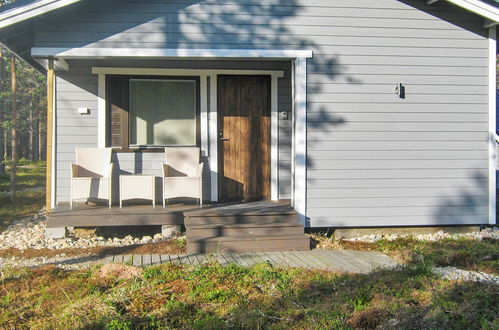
(224, 139)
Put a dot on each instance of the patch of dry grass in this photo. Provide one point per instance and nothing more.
(463, 253)
(215, 297)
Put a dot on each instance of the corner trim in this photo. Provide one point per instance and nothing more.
(492, 124)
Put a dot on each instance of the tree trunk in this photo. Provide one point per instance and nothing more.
(40, 138)
(2, 149)
(14, 130)
(36, 136)
(31, 133)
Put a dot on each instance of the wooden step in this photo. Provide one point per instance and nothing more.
(222, 230)
(248, 244)
(242, 219)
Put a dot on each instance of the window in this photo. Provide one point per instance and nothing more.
(150, 112)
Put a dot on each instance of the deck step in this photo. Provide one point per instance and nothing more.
(251, 229)
(248, 243)
(242, 219)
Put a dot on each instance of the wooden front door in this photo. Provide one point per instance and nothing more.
(244, 137)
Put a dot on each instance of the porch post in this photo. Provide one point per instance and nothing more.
(213, 127)
(300, 138)
(50, 129)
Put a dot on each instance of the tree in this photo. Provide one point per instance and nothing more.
(13, 128)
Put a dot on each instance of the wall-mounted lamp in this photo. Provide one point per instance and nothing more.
(283, 115)
(400, 90)
(83, 111)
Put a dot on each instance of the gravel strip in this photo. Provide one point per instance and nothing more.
(489, 232)
(452, 273)
(29, 233)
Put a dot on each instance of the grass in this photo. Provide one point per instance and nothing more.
(215, 297)
(28, 201)
(30, 175)
(462, 253)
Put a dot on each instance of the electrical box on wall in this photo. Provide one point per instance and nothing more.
(283, 115)
(83, 111)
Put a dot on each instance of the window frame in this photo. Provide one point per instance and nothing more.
(124, 106)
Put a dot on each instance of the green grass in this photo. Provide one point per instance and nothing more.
(215, 297)
(469, 254)
(462, 253)
(30, 175)
(28, 201)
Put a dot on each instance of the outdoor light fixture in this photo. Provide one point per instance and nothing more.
(400, 90)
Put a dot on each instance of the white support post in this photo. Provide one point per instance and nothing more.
(203, 90)
(300, 138)
(213, 127)
(274, 131)
(54, 146)
(101, 111)
(492, 124)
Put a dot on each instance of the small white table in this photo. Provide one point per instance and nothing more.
(137, 186)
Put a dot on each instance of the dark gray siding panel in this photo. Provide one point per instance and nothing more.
(373, 158)
(78, 88)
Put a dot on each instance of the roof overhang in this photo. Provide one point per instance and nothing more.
(60, 55)
(31, 10)
(489, 12)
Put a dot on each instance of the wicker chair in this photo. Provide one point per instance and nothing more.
(91, 175)
(182, 174)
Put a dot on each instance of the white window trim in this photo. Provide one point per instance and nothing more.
(209, 129)
(492, 124)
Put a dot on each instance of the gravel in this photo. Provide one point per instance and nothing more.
(489, 232)
(29, 233)
(452, 273)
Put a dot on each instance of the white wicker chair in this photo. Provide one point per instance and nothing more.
(91, 175)
(182, 174)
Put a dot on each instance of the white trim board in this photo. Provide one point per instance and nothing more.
(103, 53)
(492, 124)
(180, 72)
(22, 13)
(209, 121)
(478, 7)
(300, 138)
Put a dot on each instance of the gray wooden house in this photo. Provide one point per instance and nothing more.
(372, 113)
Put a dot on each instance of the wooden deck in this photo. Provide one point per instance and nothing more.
(225, 227)
(330, 260)
(146, 215)
(100, 216)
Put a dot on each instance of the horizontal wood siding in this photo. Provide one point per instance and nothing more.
(78, 88)
(373, 159)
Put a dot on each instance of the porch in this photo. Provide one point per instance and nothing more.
(232, 227)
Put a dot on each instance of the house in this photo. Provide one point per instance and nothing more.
(362, 113)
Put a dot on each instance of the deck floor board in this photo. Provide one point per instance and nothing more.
(331, 260)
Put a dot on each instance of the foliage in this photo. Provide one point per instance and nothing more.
(215, 297)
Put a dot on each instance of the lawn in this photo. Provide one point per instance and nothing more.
(215, 297)
(29, 175)
(30, 196)
(462, 253)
